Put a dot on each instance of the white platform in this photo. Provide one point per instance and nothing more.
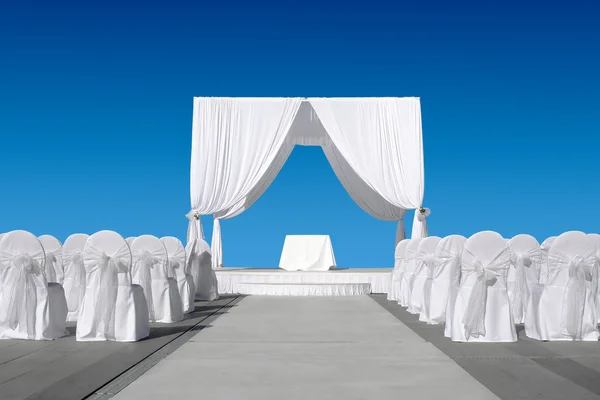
(304, 289)
(230, 278)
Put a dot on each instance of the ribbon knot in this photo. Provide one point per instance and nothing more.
(24, 262)
(524, 259)
(193, 215)
(22, 302)
(576, 268)
(483, 274)
(77, 258)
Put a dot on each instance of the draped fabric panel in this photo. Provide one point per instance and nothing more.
(239, 146)
(381, 140)
(234, 143)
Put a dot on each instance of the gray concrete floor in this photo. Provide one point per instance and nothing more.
(65, 369)
(526, 369)
(307, 348)
(299, 348)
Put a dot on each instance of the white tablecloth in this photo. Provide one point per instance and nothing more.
(307, 253)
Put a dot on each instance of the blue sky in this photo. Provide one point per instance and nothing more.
(96, 111)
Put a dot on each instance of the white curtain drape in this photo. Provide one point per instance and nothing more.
(239, 146)
(234, 143)
(380, 139)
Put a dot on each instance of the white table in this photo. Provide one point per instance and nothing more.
(307, 253)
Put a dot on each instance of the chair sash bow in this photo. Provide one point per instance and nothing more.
(474, 318)
(22, 302)
(523, 261)
(575, 295)
(146, 262)
(106, 291)
(76, 271)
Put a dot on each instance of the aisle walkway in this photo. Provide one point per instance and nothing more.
(306, 348)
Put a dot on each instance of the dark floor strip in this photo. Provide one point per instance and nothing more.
(527, 369)
(105, 378)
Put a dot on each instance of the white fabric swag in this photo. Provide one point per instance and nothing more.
(239, 145)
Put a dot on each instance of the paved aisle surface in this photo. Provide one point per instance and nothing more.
(306, 348)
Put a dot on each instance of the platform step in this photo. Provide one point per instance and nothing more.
(304, 289)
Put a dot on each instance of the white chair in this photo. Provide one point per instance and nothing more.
(410, 264)
(425, 262)
(436, 289)
(178, 262)
(150, 271)
(113, 308)
(567, 309)
(526, 259)
(449, 254)
(596, 240)
(482, 310)
(545, 247)
(200, 267)
(74, 282)
(396, 275)
(30, 307)
(130, 240)
(54, 265)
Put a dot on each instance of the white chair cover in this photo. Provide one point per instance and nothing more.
(437, 284)
(596, 240)
(178, 262)
(446, 282)
(130, 240)
(74, 282)
(526, 259)
(482, 311)
(54, 263)
(112, 308)
(30, 307)
(410, 265)
(425, 265)
(199, 258)
(567, 309)
(396, 275)
(150, 271)
(545, 247)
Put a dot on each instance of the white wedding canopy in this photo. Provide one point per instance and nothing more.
(239, 145)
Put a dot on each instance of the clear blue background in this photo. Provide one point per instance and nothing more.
(96, 109)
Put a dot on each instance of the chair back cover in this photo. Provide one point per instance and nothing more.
(176, 255)
(526, 259)
(54, 263)
(446, 280)
(23, 282)
(199, 258)
(571, 265)
(107, 261)
(74, 269)
(545, 247)
(150, 262)
(399, 254)
(484, 264)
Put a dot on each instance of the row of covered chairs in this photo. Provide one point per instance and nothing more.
(113, 288)
(481, 287)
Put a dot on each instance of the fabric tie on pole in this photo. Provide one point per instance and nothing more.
(22, 304)
(419, 229)
(474, 317)
(195, 230)
(145, 263)
(575, 294)
(217, 245)
(75, 295)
